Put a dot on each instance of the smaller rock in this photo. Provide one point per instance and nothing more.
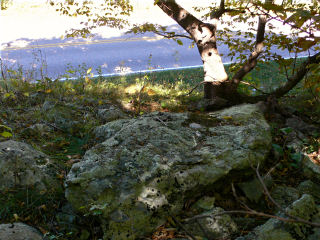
(315, 235)
(204, 204)
(61, 115)
(284, 195)
(215, 227)
(271, 231)
(84, 234)
(212, 105)
(38, 129)
(19, 231)
(110, 114)
(109, 129)
(253, 189)
(304, 208)
(295, 140)
(23, 166)
(67, 220)
(310, 169)
(300, 125)
(309, 187)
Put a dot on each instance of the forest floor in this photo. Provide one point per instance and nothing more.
(22, 106)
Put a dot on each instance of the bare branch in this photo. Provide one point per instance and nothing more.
(252, 212)
(169, 35)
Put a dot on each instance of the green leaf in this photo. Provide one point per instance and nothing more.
(294, 165)
(179, 42)
(296, 157)
(6, 134)
(278, 149)
(286, 130)
(305, 44)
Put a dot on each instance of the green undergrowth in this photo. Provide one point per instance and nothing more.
(47, 102)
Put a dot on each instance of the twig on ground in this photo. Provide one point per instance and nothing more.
(161, 121)
(245, 206)
(54, 126)
(183, 228)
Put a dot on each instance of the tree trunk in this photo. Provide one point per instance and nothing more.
(217, 87)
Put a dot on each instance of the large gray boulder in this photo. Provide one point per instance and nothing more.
(23, 166)
(149, 166)
(19, 231)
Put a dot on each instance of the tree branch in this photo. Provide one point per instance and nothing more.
(297, 77)
(254, 87)
(204, 35)
(218, 13)
(291, 83)
(169, 35)
(252, 61)
(186, 20)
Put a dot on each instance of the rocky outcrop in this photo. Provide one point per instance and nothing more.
(19, 231)
(23, 166)
(146, 168)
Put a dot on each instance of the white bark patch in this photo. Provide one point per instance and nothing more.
(213, 67)
(182, 14)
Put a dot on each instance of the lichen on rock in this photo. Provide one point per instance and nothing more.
(150, 165)
(23, 166)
